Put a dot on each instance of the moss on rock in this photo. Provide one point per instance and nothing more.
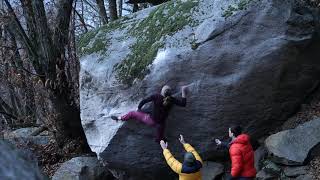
(85, 40)
(242, 5)
(100, 41)
(166, 19)
(150, 34)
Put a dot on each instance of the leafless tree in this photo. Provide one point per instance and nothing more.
(102, 11)
(46, 47)
(113, 9)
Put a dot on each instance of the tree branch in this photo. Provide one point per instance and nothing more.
(23, 69)
(5, 108)
(61, 30)
(24, 39)
(9, 115)
(49, 51)
(81, 20)
(92, 6)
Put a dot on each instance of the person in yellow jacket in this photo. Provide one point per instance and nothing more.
(190, 168)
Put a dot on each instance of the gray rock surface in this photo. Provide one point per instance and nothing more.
(256, 72)
(271, 167)
(305, 177)
(17, 164)
(22, 135)
(82, 168)
(22, 132)
(292, 146)
(295, 171)
(259, 155)
(265, 175)
(211, 170)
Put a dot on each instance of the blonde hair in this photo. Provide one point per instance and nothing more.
(167, 99)
(164, 89)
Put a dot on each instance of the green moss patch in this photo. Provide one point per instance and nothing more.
(166, 19)
(242, 5)
(85, 39)
(150, 33)
(101, 42)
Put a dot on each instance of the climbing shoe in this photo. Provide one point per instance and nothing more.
(115, 118)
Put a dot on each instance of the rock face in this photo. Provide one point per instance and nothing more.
(259, 155)
(305, 177)
(23, 136)
(252, 66)
(211, 170)
(17, 165)
(291, 147)
(295, 171)
(265, 175)
(79, 168)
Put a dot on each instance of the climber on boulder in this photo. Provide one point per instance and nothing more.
(192, 163)
(241, 154)
(162, 104)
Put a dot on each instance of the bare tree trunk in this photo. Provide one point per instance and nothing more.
(30, 20)
(73, 65)
(48, 50)
(135, 8)
(113, 9)
(120, 6)
(102, 11)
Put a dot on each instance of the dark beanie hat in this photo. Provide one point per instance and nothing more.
(236, 130)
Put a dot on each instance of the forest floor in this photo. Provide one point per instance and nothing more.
(51, 156)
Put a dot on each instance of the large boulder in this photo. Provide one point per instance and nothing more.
(253, 63)
(291, 147)
(17, 164)
(78, 168)
(211, 170)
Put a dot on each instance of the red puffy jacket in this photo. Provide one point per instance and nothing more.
(242, 157)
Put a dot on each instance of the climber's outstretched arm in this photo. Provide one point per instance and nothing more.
(144, 101)
(184, 91)
(181, 101)
(222, 143)
(174, 164)
(189, 148)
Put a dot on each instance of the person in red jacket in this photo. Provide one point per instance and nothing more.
(241, 155)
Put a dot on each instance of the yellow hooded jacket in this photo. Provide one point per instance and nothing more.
(176, 166)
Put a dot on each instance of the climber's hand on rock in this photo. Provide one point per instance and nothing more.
(218, 142)
(164, 145)
(181, 139)
(184, 88)
(184, 91)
